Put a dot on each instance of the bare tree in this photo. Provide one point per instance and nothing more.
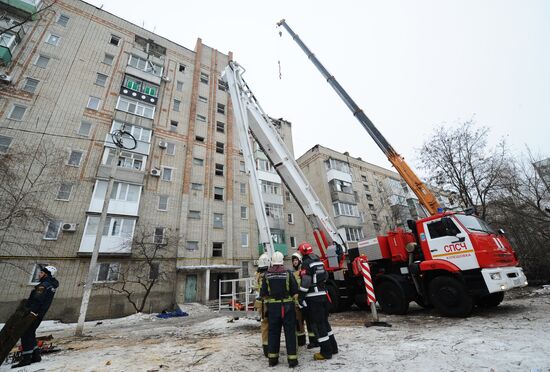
(457, 158)
(147, 268)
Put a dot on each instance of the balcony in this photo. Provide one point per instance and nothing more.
(116, 239)
(140, 90)
(277, 247)
(22, 8)
(9, 41)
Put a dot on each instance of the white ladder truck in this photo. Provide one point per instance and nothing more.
(250, 118)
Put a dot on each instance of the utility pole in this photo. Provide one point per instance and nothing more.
(119, 141)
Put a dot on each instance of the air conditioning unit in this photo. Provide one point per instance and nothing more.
(155, 172)
(69, 227)
(163, 144)
(165, 78)
(6, 79)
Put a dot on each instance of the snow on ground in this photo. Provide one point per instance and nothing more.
(511, 337)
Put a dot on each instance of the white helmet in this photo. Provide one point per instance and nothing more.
(51, 270)
(277, 258)
(297, 255)
(263, 261)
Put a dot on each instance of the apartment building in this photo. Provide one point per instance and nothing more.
(70, 75)
(364, 199)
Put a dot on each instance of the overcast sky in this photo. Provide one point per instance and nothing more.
(410, 65)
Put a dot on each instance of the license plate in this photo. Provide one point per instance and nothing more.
(517, 282)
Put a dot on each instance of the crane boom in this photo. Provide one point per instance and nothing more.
(250, 116)
(424, 195)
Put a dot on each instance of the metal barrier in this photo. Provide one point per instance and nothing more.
(238, 298)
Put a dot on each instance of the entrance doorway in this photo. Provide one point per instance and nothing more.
(190, 294)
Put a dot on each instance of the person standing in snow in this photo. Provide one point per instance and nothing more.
(279, 290)
(314, 298)
(301, 315)
(263, 264)
(38, 304)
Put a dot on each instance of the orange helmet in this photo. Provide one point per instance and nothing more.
(305, 249)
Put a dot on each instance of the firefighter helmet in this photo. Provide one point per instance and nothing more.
(305, 249)
(277, 258)
(263, 261)
(50, 270)
(297, 255)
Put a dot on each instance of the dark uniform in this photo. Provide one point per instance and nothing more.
(313, 296)
(278, 289)
(38, 303)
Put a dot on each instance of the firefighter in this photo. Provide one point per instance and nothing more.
(300, 315)
(263, 264)
(280, 290)
(314, 298)
(38, 304)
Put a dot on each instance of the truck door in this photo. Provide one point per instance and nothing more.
(445, 245)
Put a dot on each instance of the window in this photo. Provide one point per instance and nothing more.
(108, 59)
(242, 166)
(367, 188)
(199, 139)
(265, 165)
(341, 186)
(244, 268)
(17, 112)
(101, 79)
(222, 85)
(376, 226)
(154, 270)
(292, 242)
(196, 186)
(197, 161)
(163, 203)
(219, 169)
(363, 178)
(167, 174)
(93, 103)
(203, 99)
(125, 192)
(218, 221)
(217, 249)
(170, 148)
(201, 117)
(437, 229)
(114, 40)
(107, 272)
(30, 85)
(42, 61)
(271, 188)
(274, 210)
(204, 78)
(85, 128)
(114, 226)
(192, 245)
(125, 159)
(64, 191)
(338, 165)
(179, 86)
(244, 212)
(195, 215)
(52, 39)
(354, 234)
(218, 193)
(52, 230)
(287, 196)
(35, 277)
(345, 209)
(221, 109)
(158, 238)
(369, 197)
(243, 188)
(371, 206)
(173, 125)
(181, 68)
(220, 127)
(176, 105)
(63, 20)
(135, 107)
(139, 133)
(74, 158)
(374, 216)
(244, 240)
(290, 218)
(219, 147)
(5, 143)
(145, 65)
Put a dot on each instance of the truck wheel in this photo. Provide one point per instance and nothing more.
(423, 303)
(491, 300)
(391, 298)
(450, 297)
(334, 302)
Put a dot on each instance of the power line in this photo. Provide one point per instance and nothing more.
(54, 135)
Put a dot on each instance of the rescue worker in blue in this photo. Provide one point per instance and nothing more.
(314, 298)
(38, 304)
(279, 290)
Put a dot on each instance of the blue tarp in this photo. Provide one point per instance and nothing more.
(172, 314)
